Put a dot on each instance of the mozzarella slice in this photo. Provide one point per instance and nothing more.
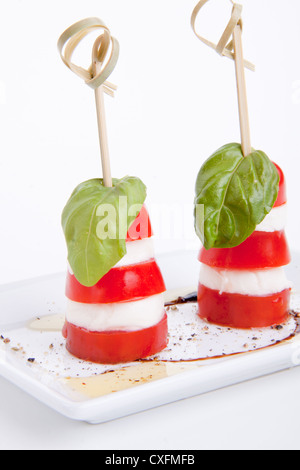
(254, 283)
(275, 221)
(137, 252)
(123, 316)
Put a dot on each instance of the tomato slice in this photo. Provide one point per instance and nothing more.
(141, 228)
(119, 285)
(116, 347)
(282, 194)
(261, 250)
(242, 311)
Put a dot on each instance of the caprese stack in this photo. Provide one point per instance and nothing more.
(121, 318)
(115, 303)
(246, 286)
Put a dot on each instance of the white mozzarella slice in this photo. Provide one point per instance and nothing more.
(138, 251)
(122, 316)
(275, 221)
(255, 283)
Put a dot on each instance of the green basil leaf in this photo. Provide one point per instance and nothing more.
(233, 195)
(95, 222)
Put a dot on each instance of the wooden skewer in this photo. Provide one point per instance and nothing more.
(95, 76)
(102, 130)
(233, 28)
(242, 91)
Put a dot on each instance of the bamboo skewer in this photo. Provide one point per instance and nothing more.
(102, 130)
(242, 91)
(96, 76)
(233, 50)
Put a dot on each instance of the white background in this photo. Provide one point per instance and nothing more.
(176, 104)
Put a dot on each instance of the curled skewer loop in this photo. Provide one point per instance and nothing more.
(225, 46)
(104, 56)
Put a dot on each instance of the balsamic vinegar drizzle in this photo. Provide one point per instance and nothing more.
(183, 300)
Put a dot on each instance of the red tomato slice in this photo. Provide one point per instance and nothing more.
(116, 347)
(242, 311)
(141, 228)
(282, 194)
(119, 285)
(261, 250)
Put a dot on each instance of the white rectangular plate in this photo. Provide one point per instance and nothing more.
(47, 377)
